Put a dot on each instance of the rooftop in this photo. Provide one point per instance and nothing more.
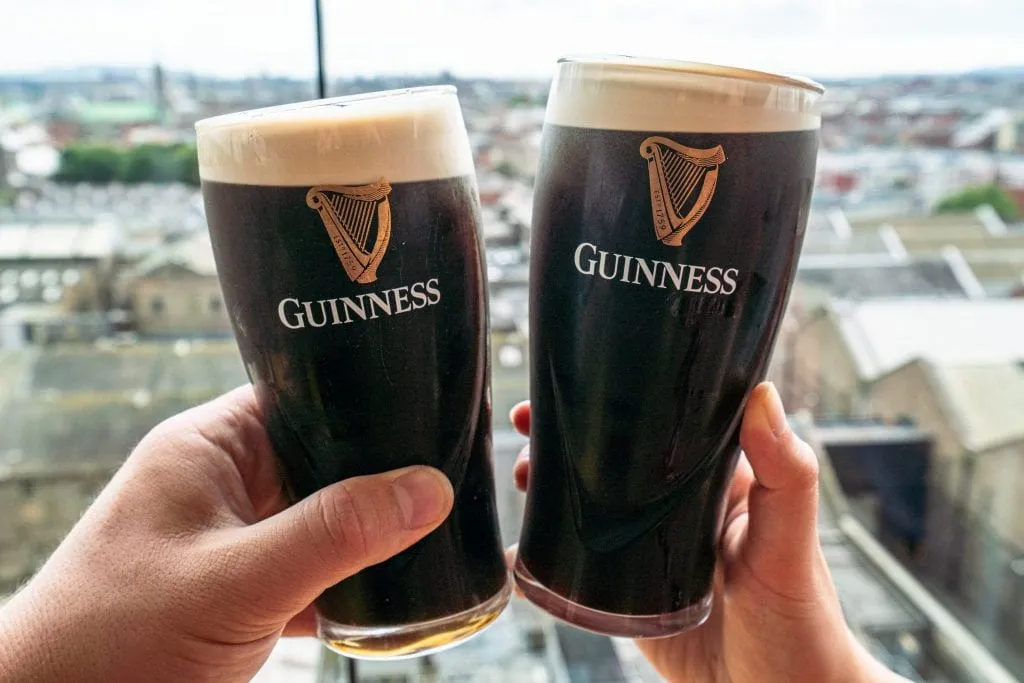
(193, 253)
(884, 334)
(117, 112)
(984, 402)
(90, 239)
(95, 402)
(882, 277)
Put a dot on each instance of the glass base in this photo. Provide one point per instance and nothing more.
(607, 623)
(411, 640)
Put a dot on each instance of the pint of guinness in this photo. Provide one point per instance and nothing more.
(347, 239)
(670, 208)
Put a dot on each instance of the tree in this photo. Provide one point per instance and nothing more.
(142, 164)
(90, 164)
(186, 164)
(973, 197)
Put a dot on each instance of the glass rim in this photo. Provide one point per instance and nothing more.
(635, 63)
(250, 115)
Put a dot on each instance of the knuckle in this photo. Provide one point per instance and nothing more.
(804, 461)
(344, 521)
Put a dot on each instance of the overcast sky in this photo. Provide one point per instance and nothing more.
(515, 38)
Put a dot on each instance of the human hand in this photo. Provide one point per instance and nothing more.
(776, 615)
(189, 567)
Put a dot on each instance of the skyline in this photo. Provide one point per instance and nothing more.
(827, 39)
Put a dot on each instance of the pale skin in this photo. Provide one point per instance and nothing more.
(188, 566)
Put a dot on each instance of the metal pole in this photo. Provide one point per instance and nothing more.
(353, 675)
(321, 76)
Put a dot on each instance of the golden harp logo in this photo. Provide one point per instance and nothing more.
(682, 184)
(353, 216)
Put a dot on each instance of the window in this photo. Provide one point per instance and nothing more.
(156, 306)
(216, 305)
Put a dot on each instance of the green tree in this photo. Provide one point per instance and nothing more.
(973, 197)
(186, 164)
(140, 164)
(148, 163)
(90, 164)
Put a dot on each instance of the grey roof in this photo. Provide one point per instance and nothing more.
(140, 207)
(80, 430)
(983, 402)
(193, 253)
(943, 224)
(58, 240)
(87, 402)
(933, 277)
(828, 242)
(882, 335)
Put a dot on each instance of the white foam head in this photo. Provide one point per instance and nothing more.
(629, 93)
(399, 135)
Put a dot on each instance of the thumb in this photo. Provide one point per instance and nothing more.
(342, 529)
(782, 536)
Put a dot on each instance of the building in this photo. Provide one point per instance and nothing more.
(878, 276)
(24, 325)
(57, 262)
(844, 346)
(175, 292)
(103, 119)
(973, 412)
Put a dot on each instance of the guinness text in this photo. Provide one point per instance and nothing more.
(590, 260)
(297, 315)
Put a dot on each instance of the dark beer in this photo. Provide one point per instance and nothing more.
(670, 207)
(346, 235)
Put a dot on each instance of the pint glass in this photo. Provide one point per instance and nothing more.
(346, 234)
(670, 207)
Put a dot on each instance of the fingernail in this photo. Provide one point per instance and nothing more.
(774, 412)
(423, 494)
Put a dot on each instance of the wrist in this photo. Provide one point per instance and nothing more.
(22, 657)
(43, 641)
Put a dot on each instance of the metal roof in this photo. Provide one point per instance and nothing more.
(986, 402)
(882, 335)
(58, 240)
(884, 278)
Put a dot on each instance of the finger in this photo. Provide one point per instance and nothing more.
(302, 625)
(521, 468)
(342, 529)
(520, 417)
(739, 488)
(734, 523)
(510, 560)
(782, 538)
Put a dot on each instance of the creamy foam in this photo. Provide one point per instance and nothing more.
(624, 93)
(399, 135)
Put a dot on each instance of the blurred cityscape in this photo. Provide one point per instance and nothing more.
(901, 358)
